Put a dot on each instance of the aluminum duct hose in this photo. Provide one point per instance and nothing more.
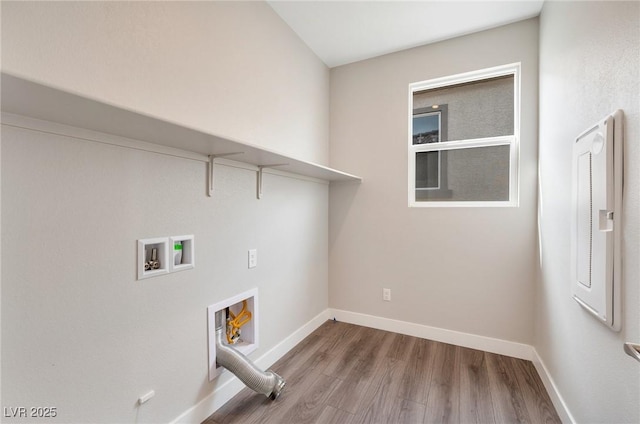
(268, 383)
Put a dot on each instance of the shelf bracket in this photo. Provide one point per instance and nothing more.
(259, 177)
(210, 163)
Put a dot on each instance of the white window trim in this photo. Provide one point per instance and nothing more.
(512, 140)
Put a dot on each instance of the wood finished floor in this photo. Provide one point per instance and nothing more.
(347, 374)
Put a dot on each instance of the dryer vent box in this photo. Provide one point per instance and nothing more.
(249, 340)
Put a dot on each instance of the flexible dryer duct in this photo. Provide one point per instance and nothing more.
(268, 383)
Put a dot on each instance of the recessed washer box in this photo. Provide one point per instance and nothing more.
(148, 264)
(182, 253)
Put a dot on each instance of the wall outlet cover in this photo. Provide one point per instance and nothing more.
(386, 295)
(253, 258)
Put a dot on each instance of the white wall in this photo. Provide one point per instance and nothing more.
(464, 269)
(79, 332)
(231, 68)
(589, 66)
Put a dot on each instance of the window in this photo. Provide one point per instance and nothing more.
(464, 139)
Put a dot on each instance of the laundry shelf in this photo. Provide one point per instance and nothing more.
(34, 100)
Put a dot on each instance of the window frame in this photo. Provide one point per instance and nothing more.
(513, 141)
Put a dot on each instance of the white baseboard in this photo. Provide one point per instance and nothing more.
(228, 390)
(487, 344)
(552, 389)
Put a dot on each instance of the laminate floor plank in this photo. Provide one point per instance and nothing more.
(244, 403)
(300, 353)
(408, 412)
(476, 405)
(247, 401)
(508, 402)
(348, 374)
(417, 373)
(338, 336)
(331, 415)
(539, 404)
(346, 353)
(311, 404)
(304, 377)
(328, 328)
(402, 347)
(378, 403)
(257, 408)
(443, 404)
(353, 385)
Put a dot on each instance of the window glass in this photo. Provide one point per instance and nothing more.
(477, 109)
(472, 174)
(427, 170)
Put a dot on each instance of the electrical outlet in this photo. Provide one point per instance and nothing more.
(386, 295)
(253, 258)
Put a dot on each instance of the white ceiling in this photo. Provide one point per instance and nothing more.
(341, 32)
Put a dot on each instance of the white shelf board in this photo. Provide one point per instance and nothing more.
(31, 99)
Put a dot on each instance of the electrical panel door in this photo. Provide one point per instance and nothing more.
(596, 219)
